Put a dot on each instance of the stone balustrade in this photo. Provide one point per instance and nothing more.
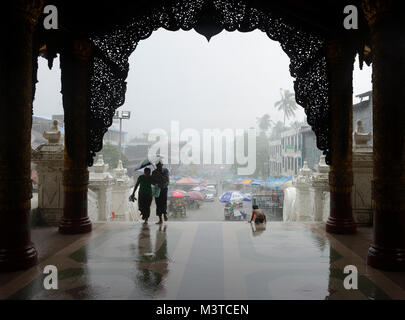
(107, 195)
(362, 176)
(309, 197)
(120, 193)
(48, 159)
(101, 182)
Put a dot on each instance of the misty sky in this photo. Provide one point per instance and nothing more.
(179, 76)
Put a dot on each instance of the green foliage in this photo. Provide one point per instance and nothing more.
(264, 122)
(111, 154)
(278, 128)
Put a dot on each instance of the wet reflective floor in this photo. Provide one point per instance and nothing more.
(202, 260)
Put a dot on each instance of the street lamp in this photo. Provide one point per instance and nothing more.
(123, 115)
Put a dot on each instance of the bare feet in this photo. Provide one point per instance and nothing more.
(165, 216)
(159, 222)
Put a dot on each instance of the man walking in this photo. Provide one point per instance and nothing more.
(161, 177)
(145, 194)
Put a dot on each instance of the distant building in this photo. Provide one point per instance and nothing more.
(137, 151)
(113, 136)
(275, 160)
(288, 154)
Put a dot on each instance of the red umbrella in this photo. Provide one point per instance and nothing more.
(177, 194)
(187, 180)
(195, 195)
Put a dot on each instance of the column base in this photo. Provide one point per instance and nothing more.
(18, 259)
(386, 258)
(75, 226)
(341, 225)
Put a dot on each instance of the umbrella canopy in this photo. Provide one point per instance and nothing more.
(233, 196)
(187, 180)
(195, 195)
(142, 164)
(177, 194)
(150, 166)
(149, 162)
(247, 181)
(257, 182)
(276, 183)
(199, 188)
(286, 185)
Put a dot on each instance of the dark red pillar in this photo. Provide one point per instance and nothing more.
(16, 92)
(340, 58)
(75, 65)
(387, 26)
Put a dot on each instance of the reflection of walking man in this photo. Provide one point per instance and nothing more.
(161, 176)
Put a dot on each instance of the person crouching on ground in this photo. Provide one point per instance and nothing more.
(258, 215)
(145, 194)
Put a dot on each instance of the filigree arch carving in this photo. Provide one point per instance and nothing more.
(110, 67)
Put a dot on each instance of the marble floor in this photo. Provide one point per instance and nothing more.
(202, 260)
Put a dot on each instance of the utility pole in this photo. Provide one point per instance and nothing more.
(123, 115)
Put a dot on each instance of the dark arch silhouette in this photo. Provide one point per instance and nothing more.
(116, 39)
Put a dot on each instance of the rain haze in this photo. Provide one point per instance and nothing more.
(179, 76)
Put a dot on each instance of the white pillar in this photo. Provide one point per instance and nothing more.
(362, 176)
(120, 193)
(101, 182)
(303, 206)
(49, 165)
(319, 187)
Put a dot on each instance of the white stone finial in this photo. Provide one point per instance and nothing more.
(322, 167)
(303, 176)
(54, 134)
(360, 137)
(100, 160)
(120, 167)
(359, 126)
(100, 166)
(305, 170)
(120, 172)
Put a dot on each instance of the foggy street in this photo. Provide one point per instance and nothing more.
(209, 211)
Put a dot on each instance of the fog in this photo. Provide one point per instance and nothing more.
(225, 83)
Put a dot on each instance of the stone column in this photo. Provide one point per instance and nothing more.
(75, 61)
(340, 58)
(319, 185)
(387, 26)
(303, 205)
(101, 183)
(49, 160)
(362, 176)
(120, 193)
(16, 94)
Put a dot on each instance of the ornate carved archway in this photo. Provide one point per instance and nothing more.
(208, 17)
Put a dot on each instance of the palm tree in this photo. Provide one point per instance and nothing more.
(264, 122)
(287, 104)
